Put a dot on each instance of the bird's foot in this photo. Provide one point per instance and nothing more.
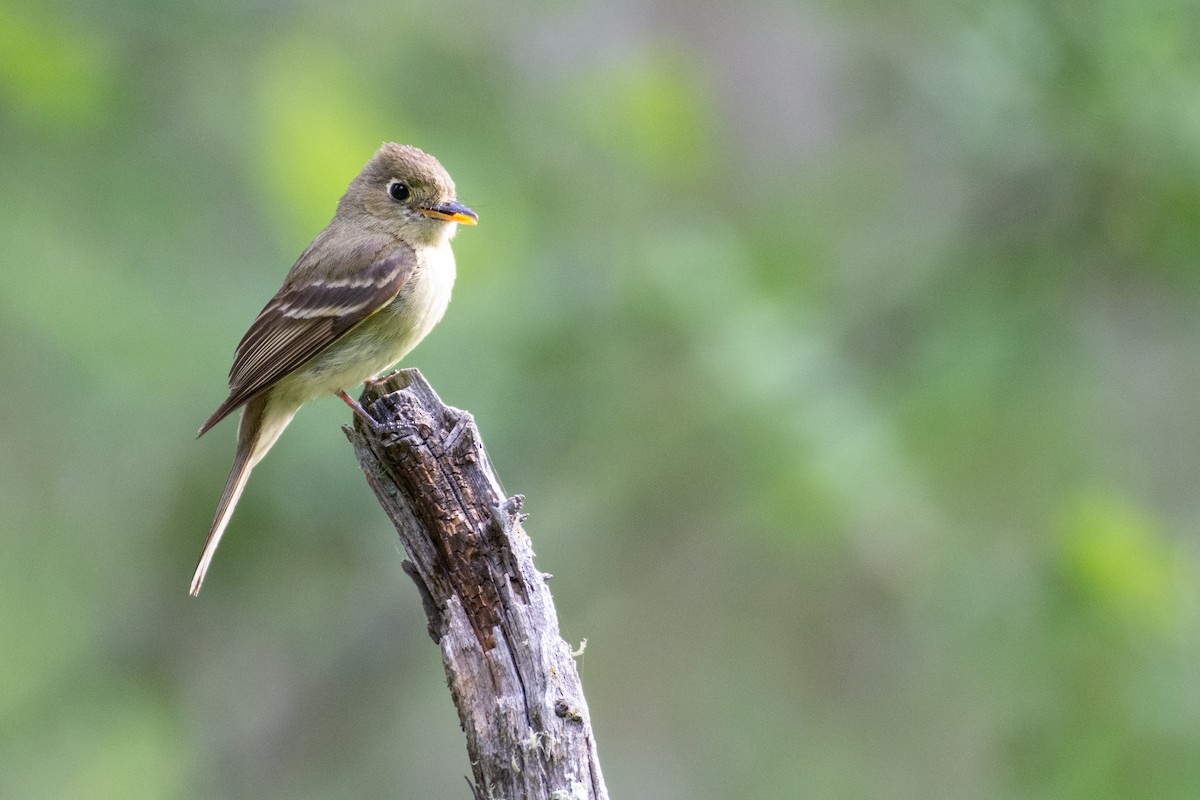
(358, 410)
(365, 416)
(378, 380)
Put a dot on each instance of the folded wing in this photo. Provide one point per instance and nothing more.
(308, 315)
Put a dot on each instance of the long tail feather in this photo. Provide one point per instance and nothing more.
(263, 419)
(233, 490)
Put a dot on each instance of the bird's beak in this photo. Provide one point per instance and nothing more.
(453, 211)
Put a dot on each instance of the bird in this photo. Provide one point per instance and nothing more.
(367, 290)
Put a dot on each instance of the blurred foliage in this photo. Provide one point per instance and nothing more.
(845, 352)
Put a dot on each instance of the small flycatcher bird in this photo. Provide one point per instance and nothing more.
(363, 294)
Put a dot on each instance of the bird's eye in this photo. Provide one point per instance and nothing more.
(398, 191)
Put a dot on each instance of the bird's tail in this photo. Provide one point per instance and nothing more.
(260, 426)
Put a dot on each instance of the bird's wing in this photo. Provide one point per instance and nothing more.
(308, 315)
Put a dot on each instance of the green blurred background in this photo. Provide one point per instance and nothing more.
(846, 354)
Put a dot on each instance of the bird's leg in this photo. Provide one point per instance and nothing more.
(390, 426)
(376, 380)
(357, 409)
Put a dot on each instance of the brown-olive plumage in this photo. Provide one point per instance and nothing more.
(359, 298)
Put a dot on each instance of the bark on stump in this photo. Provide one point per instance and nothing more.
(512, 677)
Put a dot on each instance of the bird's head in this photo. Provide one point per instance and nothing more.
(406, 191)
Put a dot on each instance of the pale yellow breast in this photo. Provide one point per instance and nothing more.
(386, 336)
